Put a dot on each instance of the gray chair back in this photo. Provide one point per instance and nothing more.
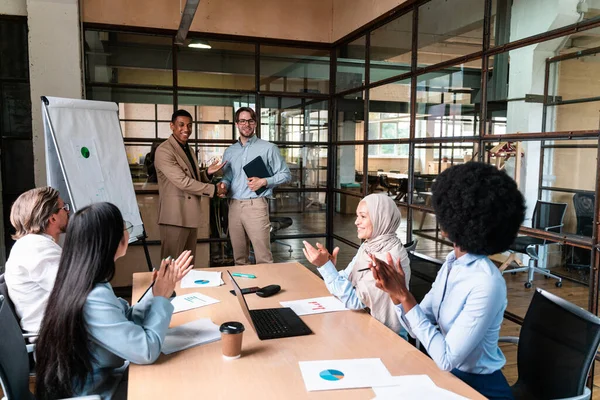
(4, 292)
(14, 361)
(557, 345)
(549, 216)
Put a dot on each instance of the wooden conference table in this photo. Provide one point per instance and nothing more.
(269, 369)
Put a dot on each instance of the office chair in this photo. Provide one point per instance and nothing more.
(14, 361)
(546, 216)
(402, 189)
(385, 183)
(420, 186)
(278, 223)
(557, 345)
(373, 181)
(584, 211)
(11, 306)
(411, 246)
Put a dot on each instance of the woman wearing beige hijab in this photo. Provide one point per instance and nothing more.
(377, 220)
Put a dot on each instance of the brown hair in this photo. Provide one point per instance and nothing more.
(32, 210)
(247, 109)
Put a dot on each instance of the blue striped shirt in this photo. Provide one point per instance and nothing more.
(237, 156)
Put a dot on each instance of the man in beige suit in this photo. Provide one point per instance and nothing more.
(182, 187)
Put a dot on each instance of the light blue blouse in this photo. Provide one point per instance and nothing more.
(459, 320)
(118, 333)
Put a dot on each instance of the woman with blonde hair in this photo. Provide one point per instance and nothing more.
(377, 220)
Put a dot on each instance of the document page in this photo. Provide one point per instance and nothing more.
(189, 335)
(413, 387)
(343, 374)
(199, 279)
(190, 301)
(317, 305)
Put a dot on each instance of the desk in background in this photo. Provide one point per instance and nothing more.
(269, 369)
(393, 175)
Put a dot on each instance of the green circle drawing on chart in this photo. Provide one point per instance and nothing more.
(85, 152)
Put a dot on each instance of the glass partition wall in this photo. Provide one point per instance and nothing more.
(385, 110)
(447, 82)
(288, 86)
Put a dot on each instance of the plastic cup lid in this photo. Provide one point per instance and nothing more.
(232, 327)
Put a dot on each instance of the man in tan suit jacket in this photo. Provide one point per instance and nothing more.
(182, 187)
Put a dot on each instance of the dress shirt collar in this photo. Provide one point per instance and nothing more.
(251, 140)
(463, 260)
(47, 236)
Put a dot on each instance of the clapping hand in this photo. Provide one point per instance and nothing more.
(171, 271)
(215, 166)
(319, 256)
(390, 278)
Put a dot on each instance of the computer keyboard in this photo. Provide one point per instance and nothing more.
(269, 321)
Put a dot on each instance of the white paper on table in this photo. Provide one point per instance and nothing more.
(413, 387)
(189, 335)
(203, 279)
(343, 374)
(191, 300)
(317, 305)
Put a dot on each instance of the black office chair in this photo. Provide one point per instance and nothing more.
(278, 223)
(14, 361)
(557, 345)
(402, 189)
(420, 186)
(4, 292)
(390, 187)
(14, 358)
(584, 211)
(411, 246)
(546, 216)
(373, 181)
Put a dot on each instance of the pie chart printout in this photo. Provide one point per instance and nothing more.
(331, 375)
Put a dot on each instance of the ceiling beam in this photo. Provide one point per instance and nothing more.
(187, 16)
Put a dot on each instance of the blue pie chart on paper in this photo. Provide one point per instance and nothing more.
(201, 282)
(331, 375)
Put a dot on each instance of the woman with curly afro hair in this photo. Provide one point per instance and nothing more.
(479, 209)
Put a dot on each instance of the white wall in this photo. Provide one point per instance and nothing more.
(13, 7)
(54, 63)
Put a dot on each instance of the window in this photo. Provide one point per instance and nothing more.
(385, 126)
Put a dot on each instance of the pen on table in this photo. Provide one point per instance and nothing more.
(239, 274)
(154, 281)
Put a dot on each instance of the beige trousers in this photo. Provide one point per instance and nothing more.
(249, 219)
(175, 239)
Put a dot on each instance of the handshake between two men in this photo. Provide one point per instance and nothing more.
(253, 183)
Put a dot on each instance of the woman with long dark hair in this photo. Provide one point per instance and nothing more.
(88, 334)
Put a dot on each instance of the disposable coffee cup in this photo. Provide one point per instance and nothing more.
(231, 339)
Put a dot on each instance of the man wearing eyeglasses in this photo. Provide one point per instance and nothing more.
(39, 216)
(182, 188)
(249, 211)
